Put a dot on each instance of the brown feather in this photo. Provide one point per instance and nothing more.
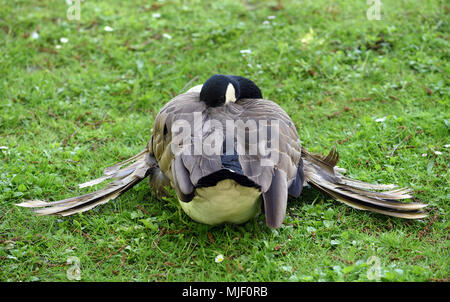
(141, 165)
(320, 172)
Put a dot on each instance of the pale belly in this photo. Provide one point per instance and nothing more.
(226, 202)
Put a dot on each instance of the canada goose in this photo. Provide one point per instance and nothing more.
(216, 177)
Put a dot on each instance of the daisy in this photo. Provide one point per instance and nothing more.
(219, 258)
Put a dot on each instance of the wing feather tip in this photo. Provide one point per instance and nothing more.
(33, 204)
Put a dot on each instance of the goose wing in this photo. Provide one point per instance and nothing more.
(278, 169)
(177, 128)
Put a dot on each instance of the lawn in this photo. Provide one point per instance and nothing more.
(79, 95)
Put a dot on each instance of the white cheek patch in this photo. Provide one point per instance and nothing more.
(230, 94)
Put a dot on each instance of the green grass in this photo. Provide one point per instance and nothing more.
(68, 112)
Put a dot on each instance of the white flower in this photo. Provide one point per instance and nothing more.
(58, 46)
(64, 40)
(437, 152)
(167, 36)
(107, 28)
(3, 148)
(219, 258)
(74, 271)
(34, 35)
(380, 120)
(447, 146)
(248, 51)
(271, 17)
(266, 22)
(156, 15)
(424, 154)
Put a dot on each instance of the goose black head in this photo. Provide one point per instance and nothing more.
(222, 89)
